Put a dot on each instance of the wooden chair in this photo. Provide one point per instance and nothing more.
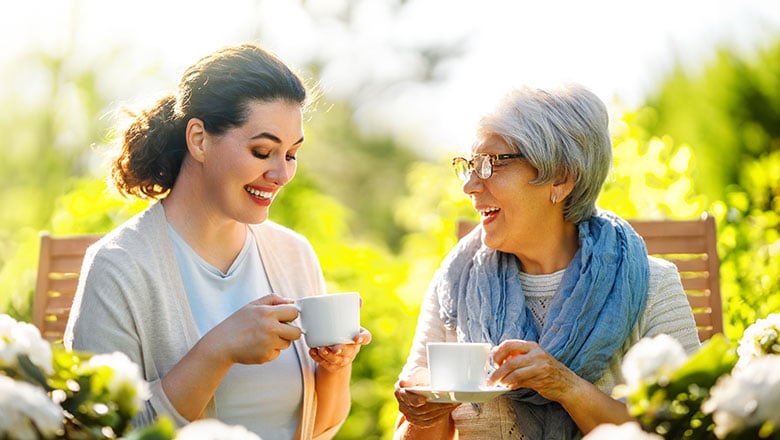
(59, 265)
(691, 245)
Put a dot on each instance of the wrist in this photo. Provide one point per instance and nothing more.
(442, 427)
(212, 354)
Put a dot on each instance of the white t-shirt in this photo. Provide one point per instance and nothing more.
(265, 398)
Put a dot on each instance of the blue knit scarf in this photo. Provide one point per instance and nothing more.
(598, 302)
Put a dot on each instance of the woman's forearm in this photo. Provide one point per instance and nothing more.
(333, 397)
(443, 430)
(191, 384)
(589, 407)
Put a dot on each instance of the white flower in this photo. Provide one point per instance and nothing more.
(126, 375)
(25, 408)
(626, 431)
(212, 429)
(760, 339)
(18, 338)
(652, 360)
(750, 396)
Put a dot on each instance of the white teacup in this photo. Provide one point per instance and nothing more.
(330, 319)
(458, 366)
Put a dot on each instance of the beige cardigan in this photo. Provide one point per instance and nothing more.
(131, 299)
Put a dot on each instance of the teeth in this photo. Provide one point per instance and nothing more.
(256, 193)
(488, 211)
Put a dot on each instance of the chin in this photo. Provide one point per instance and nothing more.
(489, 240)
(254, 218)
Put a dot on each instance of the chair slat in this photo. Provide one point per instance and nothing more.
(66, 286)
(696, 283)
(676, 245)
(699, 301)
(703, 319)
(58, 303)
(699, 264)
(59, 265)
(66, 264)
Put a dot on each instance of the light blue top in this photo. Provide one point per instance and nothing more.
(249, 394)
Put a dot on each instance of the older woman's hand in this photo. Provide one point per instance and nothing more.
(336, 357)
(416, 408)
(524, 364)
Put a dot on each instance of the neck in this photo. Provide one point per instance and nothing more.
(215, 237)
(553, 253)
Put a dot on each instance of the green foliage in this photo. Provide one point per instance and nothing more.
(729, 112)
(672, 408)
(363, 172)
(650, 179)
(42, 148)
(89, 207)
(749, 244)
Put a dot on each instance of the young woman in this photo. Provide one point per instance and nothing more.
(198, 289)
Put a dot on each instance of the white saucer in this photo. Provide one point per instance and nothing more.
(476, 396)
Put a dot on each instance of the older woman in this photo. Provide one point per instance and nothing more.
(561, 289)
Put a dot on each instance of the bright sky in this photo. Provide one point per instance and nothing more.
(618, 48)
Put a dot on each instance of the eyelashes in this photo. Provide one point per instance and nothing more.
(259, 155)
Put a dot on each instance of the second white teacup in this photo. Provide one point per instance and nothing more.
(458, 366)
(330, 319)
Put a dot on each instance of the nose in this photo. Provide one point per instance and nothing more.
(472, 184)
(281, 171)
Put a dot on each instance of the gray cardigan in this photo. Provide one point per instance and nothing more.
(131, 298)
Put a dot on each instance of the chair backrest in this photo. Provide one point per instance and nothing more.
(691, 246)
(59, 265)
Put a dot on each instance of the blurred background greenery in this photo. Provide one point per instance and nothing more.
(380, 210)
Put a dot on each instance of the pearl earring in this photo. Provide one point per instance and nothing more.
(554, 199)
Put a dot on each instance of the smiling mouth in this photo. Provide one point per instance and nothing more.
(258, 194)
(488, 212)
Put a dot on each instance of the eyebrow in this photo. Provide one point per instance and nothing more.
(274, 138)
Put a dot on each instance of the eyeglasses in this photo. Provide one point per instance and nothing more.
(481, 164)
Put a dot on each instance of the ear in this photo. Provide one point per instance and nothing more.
(561, 189)
(195, 136)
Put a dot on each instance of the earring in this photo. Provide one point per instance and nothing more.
(554, 199)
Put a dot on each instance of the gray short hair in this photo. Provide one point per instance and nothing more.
(563, 132)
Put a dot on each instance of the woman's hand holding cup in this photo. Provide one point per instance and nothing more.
(338, 356)
(331, 324)
(257, 332)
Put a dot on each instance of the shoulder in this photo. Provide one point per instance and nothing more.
(659, 266)
(141, 235)
(664, 278)
(668, 310)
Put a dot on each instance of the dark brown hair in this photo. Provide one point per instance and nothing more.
(216, 90)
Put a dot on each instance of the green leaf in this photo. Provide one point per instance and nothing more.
(31, 372)
(715, 358)
(162, 429)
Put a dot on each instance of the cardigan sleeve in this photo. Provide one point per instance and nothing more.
(104, 320)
